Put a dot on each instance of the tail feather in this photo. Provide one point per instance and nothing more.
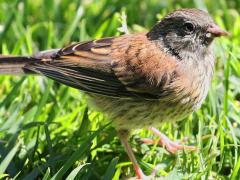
(15, 64)
(21, 64)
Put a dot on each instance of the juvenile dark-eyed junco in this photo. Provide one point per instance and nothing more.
(138, 80)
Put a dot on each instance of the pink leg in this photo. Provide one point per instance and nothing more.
(123, 135)
(170, 145)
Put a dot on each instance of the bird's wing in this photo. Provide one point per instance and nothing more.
(123, 67)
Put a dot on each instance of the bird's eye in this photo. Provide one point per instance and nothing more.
(188, 27)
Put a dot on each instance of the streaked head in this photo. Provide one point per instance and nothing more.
(186, 29)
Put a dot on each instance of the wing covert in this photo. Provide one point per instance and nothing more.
(120, 67)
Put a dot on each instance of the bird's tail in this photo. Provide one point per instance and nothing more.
(21, 64)
(15, 64)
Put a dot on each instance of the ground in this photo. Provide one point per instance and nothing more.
(47, 130)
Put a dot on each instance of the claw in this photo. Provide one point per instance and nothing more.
(171, 146)
(164, 141)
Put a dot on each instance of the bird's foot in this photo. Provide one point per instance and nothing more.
(171, 146)
(142, 176)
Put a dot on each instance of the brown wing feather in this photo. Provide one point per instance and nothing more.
(126, 66)
(142, 66)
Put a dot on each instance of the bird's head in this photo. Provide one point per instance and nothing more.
(188, 30)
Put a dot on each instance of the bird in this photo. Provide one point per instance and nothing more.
(139, 80)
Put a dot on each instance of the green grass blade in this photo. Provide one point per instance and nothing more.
(109, 174)
(9, 98)
(6, 161)
(74, 172)
(77, 155)
(46, 175)
(73, 26)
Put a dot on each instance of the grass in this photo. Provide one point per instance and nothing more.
(48, 132)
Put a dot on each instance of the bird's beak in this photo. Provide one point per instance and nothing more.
(216, 31)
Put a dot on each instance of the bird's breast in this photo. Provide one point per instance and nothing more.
(186, 96)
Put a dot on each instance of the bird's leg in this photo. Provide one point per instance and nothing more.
(123, 135)
(170, 145)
